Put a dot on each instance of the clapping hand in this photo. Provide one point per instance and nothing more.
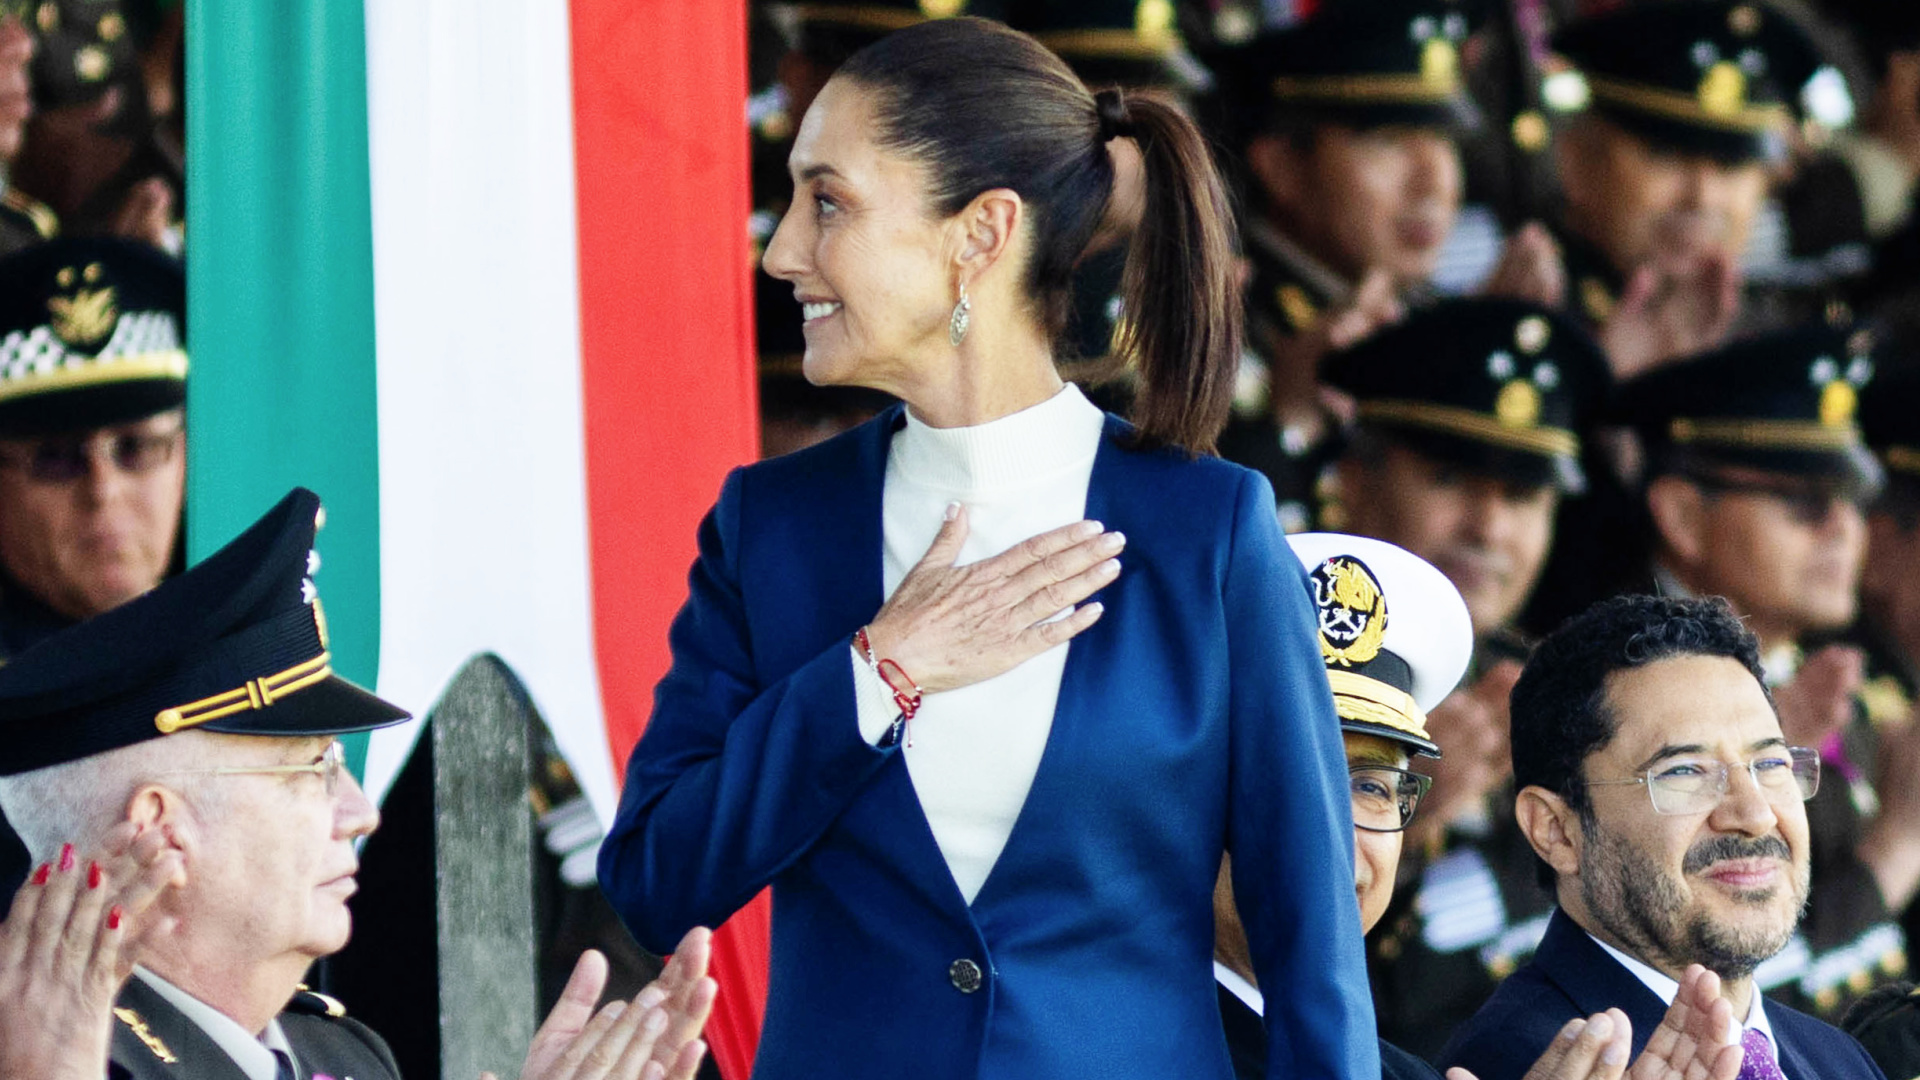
(1693, 1042)
(68, 945)
(950, 626)
(1666, 314)
(656, 1036)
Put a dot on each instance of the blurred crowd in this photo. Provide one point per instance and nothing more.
(1570, 298)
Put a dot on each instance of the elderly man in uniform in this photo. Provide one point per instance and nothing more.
(1754, 485)
(1667, 808)
(205, 712)
(1467, 435)
(92, 444)
(1397, 637)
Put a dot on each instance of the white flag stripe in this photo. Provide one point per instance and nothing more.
(483, 513)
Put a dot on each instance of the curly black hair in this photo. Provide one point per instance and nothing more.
(1559, 712)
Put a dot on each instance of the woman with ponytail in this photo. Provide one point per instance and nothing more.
(985, 688)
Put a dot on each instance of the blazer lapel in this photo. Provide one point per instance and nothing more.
(1052, 791)
(1594, 980)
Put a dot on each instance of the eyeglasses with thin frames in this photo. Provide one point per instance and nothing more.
(65, 459)
(1693, 785)
(1384, 798)
(327, 768)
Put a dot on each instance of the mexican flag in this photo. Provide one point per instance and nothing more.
(477, 272)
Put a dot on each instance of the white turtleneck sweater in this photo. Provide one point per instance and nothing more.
(975, 750)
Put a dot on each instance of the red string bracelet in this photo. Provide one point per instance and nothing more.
(905, 698)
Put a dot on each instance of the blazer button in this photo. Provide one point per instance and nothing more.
(965, 976)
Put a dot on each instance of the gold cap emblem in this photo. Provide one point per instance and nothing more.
(1439, 65)
(1518, 404)
(1838, 401)
(1723, 89)
(92, 63)
(1352, 609)
(1153, 20)
(1530, 131)
(942, 9)
(1532, 333)
(85, 318)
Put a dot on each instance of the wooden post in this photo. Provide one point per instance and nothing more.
(483, 837)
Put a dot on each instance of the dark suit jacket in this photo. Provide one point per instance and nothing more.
(1247, 1046)
(1572, 976)
(147, 1031)
(1193, 717)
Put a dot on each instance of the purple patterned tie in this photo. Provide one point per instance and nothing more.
(1758, 1064)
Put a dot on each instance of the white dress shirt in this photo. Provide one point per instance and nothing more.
(1668, 989)
(973, 752)
(253, 1055)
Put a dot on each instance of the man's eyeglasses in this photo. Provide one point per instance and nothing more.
(327, 768)
(1384, 798)
(62, 460)
(1694, 785)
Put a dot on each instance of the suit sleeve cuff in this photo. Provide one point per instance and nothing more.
(873, 701)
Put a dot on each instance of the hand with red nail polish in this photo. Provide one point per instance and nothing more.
(67, 946)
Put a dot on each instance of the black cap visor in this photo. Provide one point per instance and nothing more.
(1422, 747)
(332, 706)
(1524, 467)
(55, 411)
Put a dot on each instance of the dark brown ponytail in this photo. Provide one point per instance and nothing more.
(985, 107)
(1181, 322)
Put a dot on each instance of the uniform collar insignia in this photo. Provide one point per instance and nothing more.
(136, 1024)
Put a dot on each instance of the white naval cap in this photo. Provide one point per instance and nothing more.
(1394, 633)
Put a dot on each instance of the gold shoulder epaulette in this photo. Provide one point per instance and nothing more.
(138, 1026)
(38, 214)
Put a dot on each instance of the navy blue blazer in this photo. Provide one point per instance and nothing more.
(1193, 718)
(1572, 976)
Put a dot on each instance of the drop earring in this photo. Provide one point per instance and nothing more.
(962, 318)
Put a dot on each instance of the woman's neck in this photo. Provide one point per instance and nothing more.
(991, 376)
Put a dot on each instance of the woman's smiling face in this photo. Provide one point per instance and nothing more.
(869, 259)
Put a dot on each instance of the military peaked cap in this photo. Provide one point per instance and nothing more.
(1500, 386)
(237, 644)
(1394, 633)
(91, 333)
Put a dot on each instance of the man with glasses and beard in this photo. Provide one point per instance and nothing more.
(1667, 810)
(93, 375)
(1755, 479)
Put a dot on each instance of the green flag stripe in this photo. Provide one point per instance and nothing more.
(280, 293)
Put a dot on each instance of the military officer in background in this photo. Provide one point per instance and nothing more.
(1683, 112)
(1469, 417)
(1348, 127)
(1889, 627)
(1397, 638)
(1756, 479)
(206, 712)
(92, 442)
(1888, 631)
(24, 220)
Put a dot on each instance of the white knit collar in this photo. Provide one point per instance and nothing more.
(1030, 446)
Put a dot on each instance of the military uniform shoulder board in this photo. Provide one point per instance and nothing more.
(37, 214)
(312, 1003)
